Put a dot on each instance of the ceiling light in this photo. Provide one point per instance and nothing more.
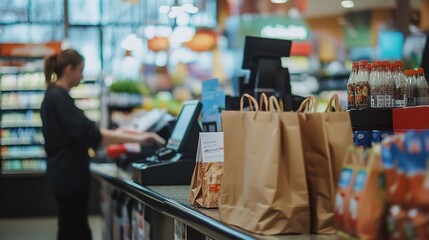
(279, 1)
(182, 34)
(164, 31)
(183, 19)
(131, 42)
(192, 10)
(189, 8)
(347, 4)
(150, 31)
(176, 11)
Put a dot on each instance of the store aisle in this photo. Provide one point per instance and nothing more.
(39, 228)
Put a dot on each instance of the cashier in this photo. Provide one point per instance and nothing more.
(68, 135)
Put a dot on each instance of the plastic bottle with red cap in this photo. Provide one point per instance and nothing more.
(351, 87)
(422, 88)
(411, 88)
(389, 85)
(362, 89)
(401, 96)
(375, 84)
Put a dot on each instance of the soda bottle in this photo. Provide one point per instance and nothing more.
(422, 88)
(377, 97)
(389, 85)
(362, 89)
(411, 87)
(351, 87)
(400, 86)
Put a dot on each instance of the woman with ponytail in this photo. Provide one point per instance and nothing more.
(68, 135)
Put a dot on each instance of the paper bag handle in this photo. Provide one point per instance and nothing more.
(334, 102)
(352, 157)
(374, 161)
(303, 105)
(310, 101)
(274, 105)
(252, 102)
(263, 100)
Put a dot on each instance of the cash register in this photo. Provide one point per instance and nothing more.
(174, 163)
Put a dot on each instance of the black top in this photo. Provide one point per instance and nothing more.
(68, 135)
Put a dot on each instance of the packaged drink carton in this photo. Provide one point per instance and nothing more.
(390, 149)
(399, 191)
(417, 151)
(346, 182)
(367, 201)
(399, 186)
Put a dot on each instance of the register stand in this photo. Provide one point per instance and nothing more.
(174, 163)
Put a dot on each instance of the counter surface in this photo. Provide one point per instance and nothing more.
(173, 201)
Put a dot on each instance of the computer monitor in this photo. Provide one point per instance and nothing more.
(263, 57)
(186, 127)
(256, 48)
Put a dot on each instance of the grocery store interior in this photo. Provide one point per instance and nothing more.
(142, 55)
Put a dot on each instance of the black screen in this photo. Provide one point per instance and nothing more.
(188, 116)
(267, 75)
(257, 47)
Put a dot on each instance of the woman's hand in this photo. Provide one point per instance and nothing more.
(122, 136)
(147, 138)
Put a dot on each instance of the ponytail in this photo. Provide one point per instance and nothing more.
(50, 75)
(56, 63)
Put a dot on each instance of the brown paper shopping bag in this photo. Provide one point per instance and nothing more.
(263, 187)
(325, 138)
(318, 167)
(340, 135)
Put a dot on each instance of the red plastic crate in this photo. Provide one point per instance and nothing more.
(410, 118)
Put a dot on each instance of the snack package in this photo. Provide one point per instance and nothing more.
(207, 176)
(212, 177)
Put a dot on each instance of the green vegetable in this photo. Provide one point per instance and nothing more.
(125, 86)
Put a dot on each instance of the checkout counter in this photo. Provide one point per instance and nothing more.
(160, 184)
(163, 204)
